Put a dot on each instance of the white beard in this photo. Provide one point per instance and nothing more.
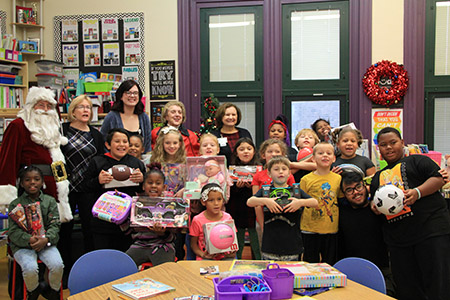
(44, 127)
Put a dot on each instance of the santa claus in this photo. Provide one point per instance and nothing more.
(34, 138)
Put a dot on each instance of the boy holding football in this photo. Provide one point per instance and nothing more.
(108, 235)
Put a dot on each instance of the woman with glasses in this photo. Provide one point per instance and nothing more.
(128, 113)
(84, 142)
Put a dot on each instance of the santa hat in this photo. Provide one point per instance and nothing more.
(36, 94)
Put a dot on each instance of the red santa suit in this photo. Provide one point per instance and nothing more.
(18, 150)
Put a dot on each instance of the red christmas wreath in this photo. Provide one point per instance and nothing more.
(385, 82)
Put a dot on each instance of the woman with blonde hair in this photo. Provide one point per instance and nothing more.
(84, 142)
(174, 114)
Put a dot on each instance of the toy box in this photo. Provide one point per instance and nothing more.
(112, 207)
(244, 173)
(309, 275)
(207, 169)
(171, 212)
(220, 237)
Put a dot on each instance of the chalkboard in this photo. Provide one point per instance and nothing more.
(114, 69)
(162, 80)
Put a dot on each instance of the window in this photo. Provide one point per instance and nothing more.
(437, 75)
(315, 63)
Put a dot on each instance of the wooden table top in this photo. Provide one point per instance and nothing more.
(185, 277)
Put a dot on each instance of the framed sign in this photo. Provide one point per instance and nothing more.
(162, 80)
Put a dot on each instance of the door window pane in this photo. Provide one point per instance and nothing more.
(232, 47)
(442, 125)
(442, 47)
(304, 113)
(315, 44)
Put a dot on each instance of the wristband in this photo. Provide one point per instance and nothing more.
(418, 193)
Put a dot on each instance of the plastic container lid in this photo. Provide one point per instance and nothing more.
(47, 61)
(47, 74)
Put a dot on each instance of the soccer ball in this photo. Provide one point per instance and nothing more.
(389, 200)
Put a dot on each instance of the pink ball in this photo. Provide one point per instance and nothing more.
(221, 236)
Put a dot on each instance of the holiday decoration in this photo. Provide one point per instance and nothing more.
(385, 83)
(208, 120)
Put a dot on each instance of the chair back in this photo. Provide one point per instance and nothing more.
(362, 271)
(98, 267)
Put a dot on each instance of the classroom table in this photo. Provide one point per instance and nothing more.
(185, 277)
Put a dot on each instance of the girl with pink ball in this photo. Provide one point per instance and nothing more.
(212, 198)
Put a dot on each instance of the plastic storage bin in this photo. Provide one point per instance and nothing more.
(13, 69)
(232, 288)
(50, 67)
(7, 79)
(49, 80)
(280, 280)
(92, 87)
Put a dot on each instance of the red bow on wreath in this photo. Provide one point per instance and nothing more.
(385, 83)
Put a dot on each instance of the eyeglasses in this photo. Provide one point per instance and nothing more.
(351, 190)
(43, 105)
(82, 107)
(128, 93)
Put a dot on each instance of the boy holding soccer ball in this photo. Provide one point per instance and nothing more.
(418, 237)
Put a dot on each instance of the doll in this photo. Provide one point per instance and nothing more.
(213, 173)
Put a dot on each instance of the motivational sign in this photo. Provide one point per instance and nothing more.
(162, 80)
(386, 118)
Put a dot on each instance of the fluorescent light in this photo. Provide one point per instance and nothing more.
(446, 3)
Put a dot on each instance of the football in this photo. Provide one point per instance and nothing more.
(389, 200)
(121, 172)
(304, 154)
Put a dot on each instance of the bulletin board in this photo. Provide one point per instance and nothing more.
(2, 23)
(110, 61)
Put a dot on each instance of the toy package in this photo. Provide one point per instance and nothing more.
(121, 174)
(244, 173)
(220, 237)
(171, 212)
(282, 195)
(207, 169)
(192, 193)
(34, 219)
(175, 176)
(18, 215)
(112, 207)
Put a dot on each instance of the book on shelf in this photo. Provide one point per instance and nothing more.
(142, 288)
(11, 97)
(308, 275)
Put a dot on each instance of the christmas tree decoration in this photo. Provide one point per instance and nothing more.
(208, 120)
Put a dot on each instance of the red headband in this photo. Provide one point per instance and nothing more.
(278, 122)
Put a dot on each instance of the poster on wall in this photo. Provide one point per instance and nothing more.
(156, 114)
(110, 29)
(111, 54)
(70, 55)
(383, 117)
(92, 55)
(69, 31)
(90, 30)
(132, 53)
(71, 77)
(131, 28)
(162, 80)
(131, 72)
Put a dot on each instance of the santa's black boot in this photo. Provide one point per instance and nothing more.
(33, 295)
(53, 295)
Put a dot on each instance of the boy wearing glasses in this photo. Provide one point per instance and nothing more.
(360, 230)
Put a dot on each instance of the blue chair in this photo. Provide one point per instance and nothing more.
(98, 267)
(362, 271)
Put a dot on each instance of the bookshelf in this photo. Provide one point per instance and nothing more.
(7, 111)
